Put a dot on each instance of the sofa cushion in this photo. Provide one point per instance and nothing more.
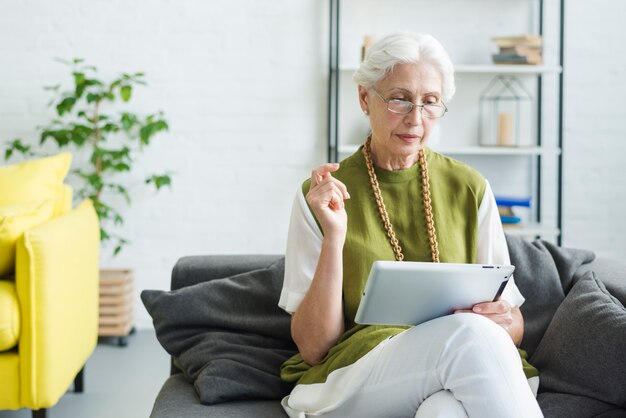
(35, 180)
(579, 353)
(14, 220)
(563, 405)
(177, 399)
(227, 335)
(9, 315)
(543, 274)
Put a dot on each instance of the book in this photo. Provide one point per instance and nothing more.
(516, 59)
(505, 208)
(513, 53)
(521, 50)
(519, 40)
(510, 219)
(513, 201)
(507, 216)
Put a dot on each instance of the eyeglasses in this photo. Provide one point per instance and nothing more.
(404, 107)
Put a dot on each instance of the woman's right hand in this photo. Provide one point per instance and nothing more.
(325, 197)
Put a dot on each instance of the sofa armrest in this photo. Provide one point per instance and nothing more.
(197, 269)
(611, 272)
(57, 273)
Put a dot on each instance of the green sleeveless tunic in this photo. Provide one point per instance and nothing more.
(456, 192)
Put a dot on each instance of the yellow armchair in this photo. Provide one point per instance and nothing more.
(56, 287)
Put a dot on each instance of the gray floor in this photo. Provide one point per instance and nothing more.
(120, 382)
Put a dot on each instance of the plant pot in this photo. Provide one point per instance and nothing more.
(116, 304)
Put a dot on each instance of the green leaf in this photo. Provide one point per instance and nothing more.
(159, 180)
(125, 92)
(121, 243)
(128, 121)
(79, 82)
(110, 127)
(61, 136)
(115, 160)
(93, 82)
(121, 167)
(79, 78)
(93, 97)
(151, 127)
(17, 146)
(66, 105)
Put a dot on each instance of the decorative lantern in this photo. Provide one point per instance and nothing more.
(505, 114)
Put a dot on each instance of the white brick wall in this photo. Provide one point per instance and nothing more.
(594, 170)
(243, 84)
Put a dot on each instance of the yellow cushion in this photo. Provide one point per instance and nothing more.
(66, 200)
(16, 219)
(9, 315)
(34, 180)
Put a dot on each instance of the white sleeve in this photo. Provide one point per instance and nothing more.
(492, 247)
(304, 245)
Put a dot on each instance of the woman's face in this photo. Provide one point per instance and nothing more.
(398, 136)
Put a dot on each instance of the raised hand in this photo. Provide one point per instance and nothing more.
(325, 197)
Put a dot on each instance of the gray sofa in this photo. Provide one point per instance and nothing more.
(581, 359)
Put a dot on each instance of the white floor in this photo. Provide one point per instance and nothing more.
(120, 382)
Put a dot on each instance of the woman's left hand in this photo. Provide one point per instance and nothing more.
(501, 312)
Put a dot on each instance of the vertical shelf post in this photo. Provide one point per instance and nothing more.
(559, 209)
(333, 83)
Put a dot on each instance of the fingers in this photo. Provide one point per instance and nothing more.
(330, 192)
(498, 312)
(320, 177)
(318, 174)
(498, 307)
(322, 173)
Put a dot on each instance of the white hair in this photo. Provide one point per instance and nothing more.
(403, 48)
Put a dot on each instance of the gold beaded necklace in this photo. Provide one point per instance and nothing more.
(430, 222)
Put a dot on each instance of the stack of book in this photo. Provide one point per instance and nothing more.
(505, 209)
(523, 49)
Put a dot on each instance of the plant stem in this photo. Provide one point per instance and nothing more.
(96, 118)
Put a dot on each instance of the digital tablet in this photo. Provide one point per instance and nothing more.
(409, 293)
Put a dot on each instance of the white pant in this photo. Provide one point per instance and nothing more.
(455, 366)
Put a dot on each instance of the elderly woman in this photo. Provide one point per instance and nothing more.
(397, 199)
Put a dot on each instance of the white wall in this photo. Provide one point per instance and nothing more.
(243, 85)
(595, 127)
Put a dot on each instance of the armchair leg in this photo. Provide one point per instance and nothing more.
(78, 382)
(40, 413)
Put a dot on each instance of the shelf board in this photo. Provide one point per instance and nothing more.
(491, 69)
(532, 230)
(507, 69)
(476, 150)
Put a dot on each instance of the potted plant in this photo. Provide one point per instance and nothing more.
(87, 120)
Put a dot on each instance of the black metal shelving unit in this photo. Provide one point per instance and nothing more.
(333, 106)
